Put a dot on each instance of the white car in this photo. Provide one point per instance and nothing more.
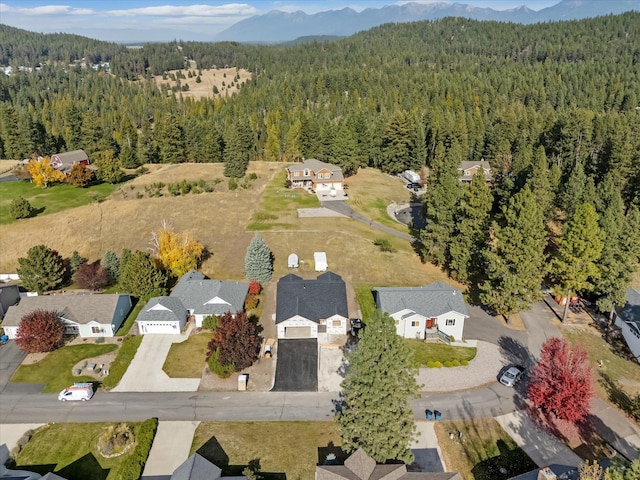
(512, 375)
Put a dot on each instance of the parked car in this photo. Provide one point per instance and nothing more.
(77, 391)
(512, 375)
(414, 186)
(268, 352)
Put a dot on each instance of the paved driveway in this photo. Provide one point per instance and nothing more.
(10, 359)
(145, 372)
(297, 368)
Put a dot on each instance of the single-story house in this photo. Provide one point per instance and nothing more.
(95, 315)
(9, 296)
(65, 161)
(434, 310)
(315, 175)
(194, 295)
(628, 320)
(468, 169)
(305, 308)
(360, 466)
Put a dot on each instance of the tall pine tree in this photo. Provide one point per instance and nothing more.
(258, 261)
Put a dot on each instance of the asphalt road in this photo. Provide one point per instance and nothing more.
(10, 359)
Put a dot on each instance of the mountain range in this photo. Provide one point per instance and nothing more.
(277, 26)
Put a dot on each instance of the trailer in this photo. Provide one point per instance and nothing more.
(411, 176)
(320, 260)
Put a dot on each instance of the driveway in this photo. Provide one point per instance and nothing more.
(297, 367)
(145, 372)
(10, 359)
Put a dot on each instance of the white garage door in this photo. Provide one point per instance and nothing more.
(297, 332)
(160, 327)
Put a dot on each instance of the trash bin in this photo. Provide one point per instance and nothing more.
(242, 382)
(429, 414)
(437, 414)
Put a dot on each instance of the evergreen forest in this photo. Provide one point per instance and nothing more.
(554, 108)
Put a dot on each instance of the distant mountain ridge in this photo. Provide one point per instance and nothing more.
(277, 26)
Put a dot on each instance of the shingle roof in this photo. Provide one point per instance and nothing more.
(483, 164)
(162, 309)
(210, 297)
(315, 166)
(79, 308)
(312, 299)
(69, 158)
(630, 313)
(196, 467)
(431, 300)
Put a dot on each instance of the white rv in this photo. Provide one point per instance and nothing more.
(411, 176)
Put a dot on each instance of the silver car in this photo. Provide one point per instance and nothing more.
(512, 375)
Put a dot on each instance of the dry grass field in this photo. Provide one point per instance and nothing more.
(209, 78)
(219, 220)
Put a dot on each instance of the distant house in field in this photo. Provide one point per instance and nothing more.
(9, 296)
(628, 321)
(432, 311)
(305, 308)
(315, 175)
(65, 161)
(194, 295)
(95, 315)
(468, 169)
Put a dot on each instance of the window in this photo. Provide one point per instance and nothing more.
(96, 330)
(336, 323)
(296, 174)
(450, 322)
(415, 323)
(306, 173)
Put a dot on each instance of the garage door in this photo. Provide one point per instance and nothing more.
(160, 327)
(297, 332)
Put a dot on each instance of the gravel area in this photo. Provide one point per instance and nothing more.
(482, 370)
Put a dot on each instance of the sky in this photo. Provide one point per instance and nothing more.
(126, 21)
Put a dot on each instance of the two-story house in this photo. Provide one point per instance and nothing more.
(316, 176)
(468, 169)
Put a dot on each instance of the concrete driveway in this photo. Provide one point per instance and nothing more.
(297, 367)
(145, 372)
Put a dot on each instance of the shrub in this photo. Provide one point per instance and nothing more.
(39, 331)
(233, 184)
(437, 365)
(253, 176)
(91, 276)
(455, 363)
(430, 364)
(223, 371)
(21, 208)
(254, 287)
(210, 322)
(144, 433)
(448, 364)
(464, 363)
(251, 302)
(384, 245)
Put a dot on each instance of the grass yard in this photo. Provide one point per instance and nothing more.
(50, 200)
(127, 351)
(55, 370)
(424, 352)
(231, 445)
(364, 297)
(70, 450)
(187, 359)
(486, 451)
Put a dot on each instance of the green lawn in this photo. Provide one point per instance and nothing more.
(365, 299)
(424, 352)
(127, 351)
(70, 450)
(286, 450)
(485, 452)
(187, 359)
(55, 370)
(49, 200)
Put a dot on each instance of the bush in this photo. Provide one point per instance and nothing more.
(223, 371)
(254, 287)
(253, 176)
(384, 245)
(455, 363)
(144, 433)
(431, 364)
(251, 302)
(233, 184)
(448, 364)
(91, 276)
(21, 208)
(437, 365)
(464, 363)
(210, 322)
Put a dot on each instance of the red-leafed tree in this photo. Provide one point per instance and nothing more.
(80, 175)
(91, 276)
(39, 331)
(561, 382)
(235, 341)
(254, 287)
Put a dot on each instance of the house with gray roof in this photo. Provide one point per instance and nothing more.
(9, 296)
(196, 467)
(468, 169)
(315, 175)
(360, 466)
(628, 321)
(434, 310)
(64, 162)
(87, 315)
(305, 308)
(194, 295)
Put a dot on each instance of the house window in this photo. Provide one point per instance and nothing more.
(296, 174)
(450, 322)
(415, 323)
(336, 323)
(306, 173)
(96, 330)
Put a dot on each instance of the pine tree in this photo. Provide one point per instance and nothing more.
(375, 413)
(236, 159)
(75, 261)
(515, 257)
(111, 263)
(258, 261)
(20, 208)
(109, 168)
(41, 270)
(140, 277)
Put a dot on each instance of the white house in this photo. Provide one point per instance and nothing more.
(306, 308)
(628, 320)
(435, 310)
(95, 315)
(164, 315)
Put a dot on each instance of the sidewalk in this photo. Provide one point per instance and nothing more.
(170, 449)
(615, 428)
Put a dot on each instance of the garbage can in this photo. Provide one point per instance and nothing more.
(242, 382)
(429, 414)
(437, 414)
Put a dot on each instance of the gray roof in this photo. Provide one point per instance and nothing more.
(312, 299)
(174, 310)
(630, 313)
(432, 300)
(52, 476)
(466, 164)
(315, 166)
(196, 467)
(81, 309)
(210, 297)
(69, 158)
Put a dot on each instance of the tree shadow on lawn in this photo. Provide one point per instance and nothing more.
(508, 464)
(630, 405)
(86, 467)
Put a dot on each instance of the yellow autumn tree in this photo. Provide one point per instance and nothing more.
(175, 252)
(42, 172)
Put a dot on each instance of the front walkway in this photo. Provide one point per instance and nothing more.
(170, 448)
(425, 448)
